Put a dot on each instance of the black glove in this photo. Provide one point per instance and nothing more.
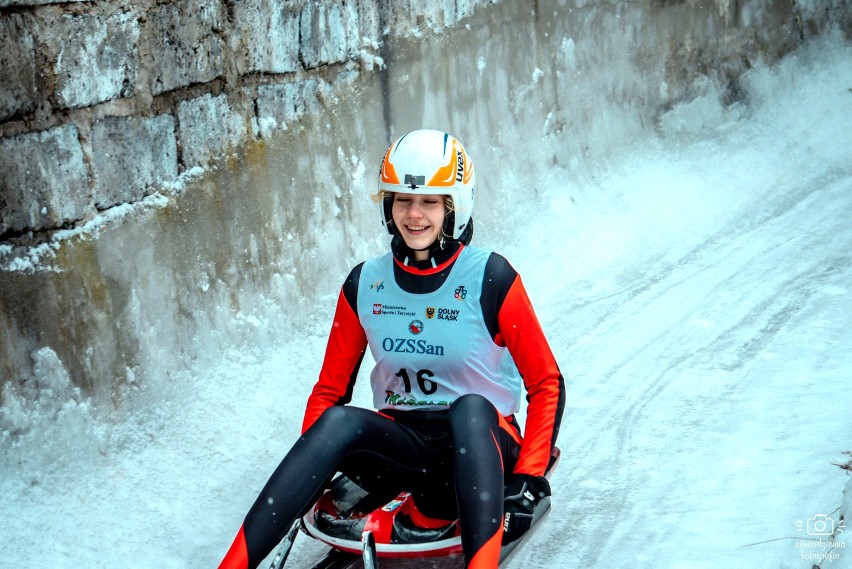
(521, 496)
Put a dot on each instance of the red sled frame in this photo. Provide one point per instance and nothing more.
(424, 536)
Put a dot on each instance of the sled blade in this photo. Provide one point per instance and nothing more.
(336, 559)
(286, 546)
(368, 549)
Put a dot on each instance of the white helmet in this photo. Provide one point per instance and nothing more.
(430, 162)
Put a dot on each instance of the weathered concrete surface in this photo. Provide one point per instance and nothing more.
(131, 156)
(79, 63)
(183, 44)
(17, 66)
(47, 179)
(330, 34)
(158, 288)
(209, 129)
(263, 35)
(28, 3)
(94, 58)
(279, 105)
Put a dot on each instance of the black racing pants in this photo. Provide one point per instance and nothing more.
(452, 462)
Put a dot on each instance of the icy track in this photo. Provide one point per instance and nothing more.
(697, 291)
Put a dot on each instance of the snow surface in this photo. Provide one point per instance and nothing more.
(697, 292)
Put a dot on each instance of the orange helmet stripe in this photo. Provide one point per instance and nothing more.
(446, 175)
(388, 172)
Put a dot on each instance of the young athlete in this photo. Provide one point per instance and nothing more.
(455, 340)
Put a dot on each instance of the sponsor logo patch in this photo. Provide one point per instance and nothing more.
(448, 314)
(392, 398)
(460, 293)
(391, 310)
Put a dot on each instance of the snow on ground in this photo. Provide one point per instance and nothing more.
(697, 292)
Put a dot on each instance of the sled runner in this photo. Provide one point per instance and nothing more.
(360, 530)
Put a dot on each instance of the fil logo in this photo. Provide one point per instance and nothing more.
(461, 293)
(378, 285)
(377, 309)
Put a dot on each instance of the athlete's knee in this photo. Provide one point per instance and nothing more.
(341, 425)
(334, 416)
(472, 405)
(471, 417)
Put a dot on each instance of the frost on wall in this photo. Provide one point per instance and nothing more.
(184, 45)
(48, 412)
(266, 36)
(208, 129)
(329, 33)
(48, 188)
(95, 57)
(17, 66)
(280, 104)
(130, 155)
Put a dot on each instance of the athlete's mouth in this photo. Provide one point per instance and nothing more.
(417, 228)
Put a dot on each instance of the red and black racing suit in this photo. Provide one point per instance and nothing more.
(454, 461)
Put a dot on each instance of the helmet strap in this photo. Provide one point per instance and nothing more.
(449, 224)
(387, 207)
(439, 251)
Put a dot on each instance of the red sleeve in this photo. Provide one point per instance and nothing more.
(522, 334)
(347, 343)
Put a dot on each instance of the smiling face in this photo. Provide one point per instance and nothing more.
(419, 219)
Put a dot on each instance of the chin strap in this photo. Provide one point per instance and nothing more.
(438, 252)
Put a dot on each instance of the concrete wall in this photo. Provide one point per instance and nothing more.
(101, 102)
(114, 110)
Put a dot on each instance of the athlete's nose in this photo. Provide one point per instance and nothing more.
(415, 209)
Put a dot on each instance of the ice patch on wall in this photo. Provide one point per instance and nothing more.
(39, 257)
(47, 421)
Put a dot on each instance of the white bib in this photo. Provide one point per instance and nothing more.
(432, 348)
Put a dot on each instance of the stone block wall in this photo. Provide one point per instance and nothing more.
(103, 102)
(45, 178)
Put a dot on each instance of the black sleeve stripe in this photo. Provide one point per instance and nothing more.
(498, 279)
(350, 287)
(560, 408)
